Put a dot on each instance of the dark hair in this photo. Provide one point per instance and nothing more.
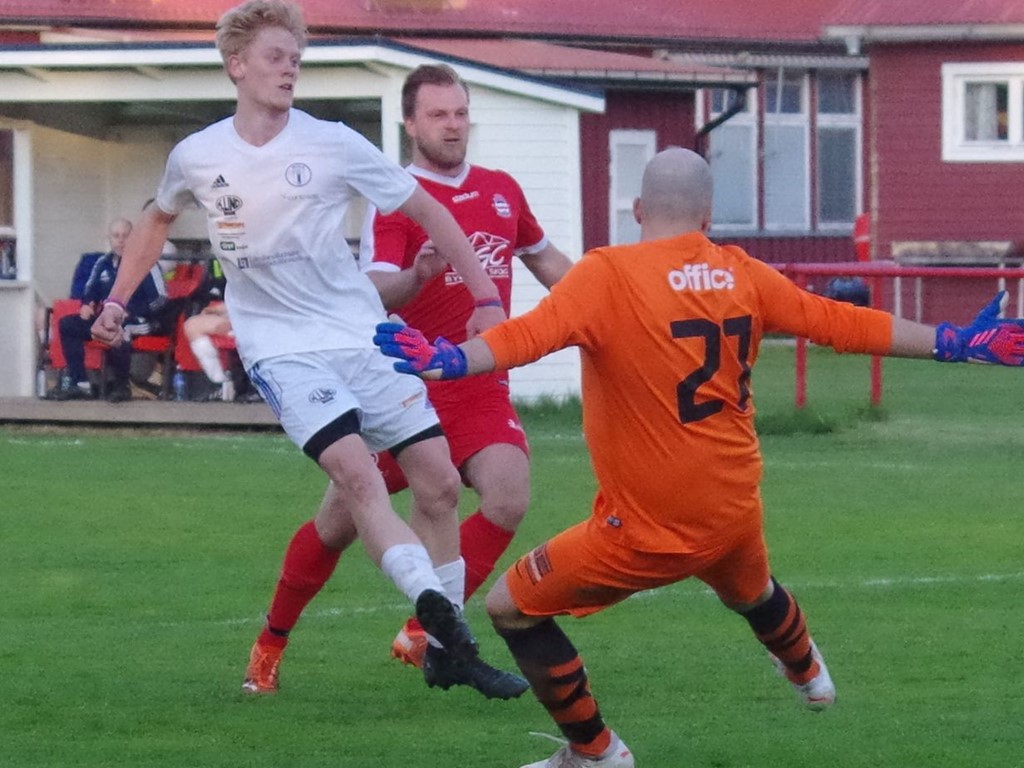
(427, 74)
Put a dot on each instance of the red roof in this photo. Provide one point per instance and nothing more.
(558, 60)
(780, 20)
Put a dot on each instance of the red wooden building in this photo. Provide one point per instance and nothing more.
(908, 111)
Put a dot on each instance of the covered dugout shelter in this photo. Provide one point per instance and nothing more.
(85, 130)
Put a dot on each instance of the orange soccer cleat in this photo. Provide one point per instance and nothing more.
(261, 674)
(410, 644)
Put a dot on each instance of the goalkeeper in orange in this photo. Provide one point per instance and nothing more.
(668, 330)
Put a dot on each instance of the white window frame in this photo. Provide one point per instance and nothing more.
(955, 147)
(618, 201)
(854, 120)
(746, 118)
(801, 119)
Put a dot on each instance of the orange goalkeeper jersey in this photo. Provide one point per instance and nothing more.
(668, 331)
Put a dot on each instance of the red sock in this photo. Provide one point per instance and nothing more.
(308, 564)
(482, 543)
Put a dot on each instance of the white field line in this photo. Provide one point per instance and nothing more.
(49, 443)
(674, 590)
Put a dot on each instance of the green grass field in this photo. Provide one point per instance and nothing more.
(136, 566)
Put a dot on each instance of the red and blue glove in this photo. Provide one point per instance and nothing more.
(416, 354)
(988, 339)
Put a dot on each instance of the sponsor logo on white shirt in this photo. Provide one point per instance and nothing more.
(321, 395)
(219, 182)
(701, 277)
(229, 204)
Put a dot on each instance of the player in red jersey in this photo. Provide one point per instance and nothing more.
(483, 430)
(668, 331)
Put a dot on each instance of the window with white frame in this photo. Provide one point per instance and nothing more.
(630, 151)
(838, 133)
(786, 149)
(732, 150)
(790, 160)
(983, 112)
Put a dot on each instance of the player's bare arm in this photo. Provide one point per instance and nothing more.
(450, 240)
(398, 288)
(910, 339)
(141, 253)
(548, 265)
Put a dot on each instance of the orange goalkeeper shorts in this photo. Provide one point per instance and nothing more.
(585, 569)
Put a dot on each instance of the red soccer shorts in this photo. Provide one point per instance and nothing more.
(473, 416)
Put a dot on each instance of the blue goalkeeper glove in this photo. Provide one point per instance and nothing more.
(987, 340)
(417, 355)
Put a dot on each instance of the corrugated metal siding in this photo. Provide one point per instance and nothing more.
(793, 249)
(919, 196)
(670, 115)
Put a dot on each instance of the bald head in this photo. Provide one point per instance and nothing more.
(675, 195)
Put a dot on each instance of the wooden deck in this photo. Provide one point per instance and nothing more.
(137, 413)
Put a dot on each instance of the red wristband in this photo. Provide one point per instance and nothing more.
(116, 303)
(492, 302)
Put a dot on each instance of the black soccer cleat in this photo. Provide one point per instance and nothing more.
(442, 669)
(443, 621)
(459, 662)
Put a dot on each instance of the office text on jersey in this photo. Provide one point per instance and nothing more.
(701, 277)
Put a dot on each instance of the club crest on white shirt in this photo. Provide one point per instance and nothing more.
(298, 174)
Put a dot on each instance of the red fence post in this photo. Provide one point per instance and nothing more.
(800, 356)
(875, 271)
(876, 360)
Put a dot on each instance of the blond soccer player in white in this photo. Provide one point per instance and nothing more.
(275, 183)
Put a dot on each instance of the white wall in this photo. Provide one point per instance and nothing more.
(538, 144)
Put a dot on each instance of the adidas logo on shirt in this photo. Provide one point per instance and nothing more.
(219, 182)
(701, 277)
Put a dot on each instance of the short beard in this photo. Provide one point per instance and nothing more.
(440, 161)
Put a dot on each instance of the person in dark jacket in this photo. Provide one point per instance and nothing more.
(145, 305)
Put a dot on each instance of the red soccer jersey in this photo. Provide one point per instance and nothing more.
(668, 331)
(492, 211)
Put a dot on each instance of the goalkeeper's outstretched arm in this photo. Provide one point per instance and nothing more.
(988, 339)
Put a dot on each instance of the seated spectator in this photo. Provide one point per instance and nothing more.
(82, 271)
(143, 309)
(213, 320)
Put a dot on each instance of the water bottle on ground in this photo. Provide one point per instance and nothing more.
(179, 386)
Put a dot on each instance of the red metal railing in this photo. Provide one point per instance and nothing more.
(874, 272)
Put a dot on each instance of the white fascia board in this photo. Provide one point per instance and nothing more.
(915, 33)
(489, 77)
(97, 57)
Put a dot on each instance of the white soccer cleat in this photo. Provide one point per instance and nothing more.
(616, 756)
(819, 692)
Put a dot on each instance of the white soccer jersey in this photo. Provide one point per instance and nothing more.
(274, 215)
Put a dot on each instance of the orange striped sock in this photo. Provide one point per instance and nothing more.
(550, 662)
(779, 624)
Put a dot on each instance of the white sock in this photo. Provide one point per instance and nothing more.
(209, 358)
(409, 567)
(453, 579)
